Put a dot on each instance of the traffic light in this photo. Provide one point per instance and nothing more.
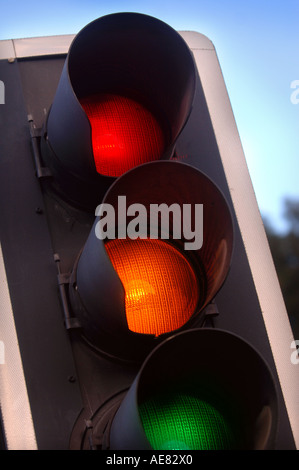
(186, 397)
(128, 231)
(118, 106)
(143, 280)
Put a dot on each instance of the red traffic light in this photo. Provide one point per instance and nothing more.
(122, 100)
(124, 133)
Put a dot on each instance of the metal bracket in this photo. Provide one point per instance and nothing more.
(210, 312)
(89, 430)
(35, 134)
(63, 281)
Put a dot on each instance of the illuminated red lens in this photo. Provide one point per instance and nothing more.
(161, 289)
(124, 133)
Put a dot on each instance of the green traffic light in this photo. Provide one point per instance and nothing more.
(178, 420)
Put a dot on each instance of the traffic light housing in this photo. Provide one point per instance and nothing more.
(86, 371)
(203, 389)
(114, 108)
(148, 284)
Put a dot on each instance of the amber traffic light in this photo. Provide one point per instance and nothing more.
(133, 291)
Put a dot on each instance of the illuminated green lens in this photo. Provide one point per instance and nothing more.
(180, 421)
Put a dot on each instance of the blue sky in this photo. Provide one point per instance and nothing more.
(257, 44)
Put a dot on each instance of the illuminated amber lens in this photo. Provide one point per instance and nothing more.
(124, 133)
(161, 290)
